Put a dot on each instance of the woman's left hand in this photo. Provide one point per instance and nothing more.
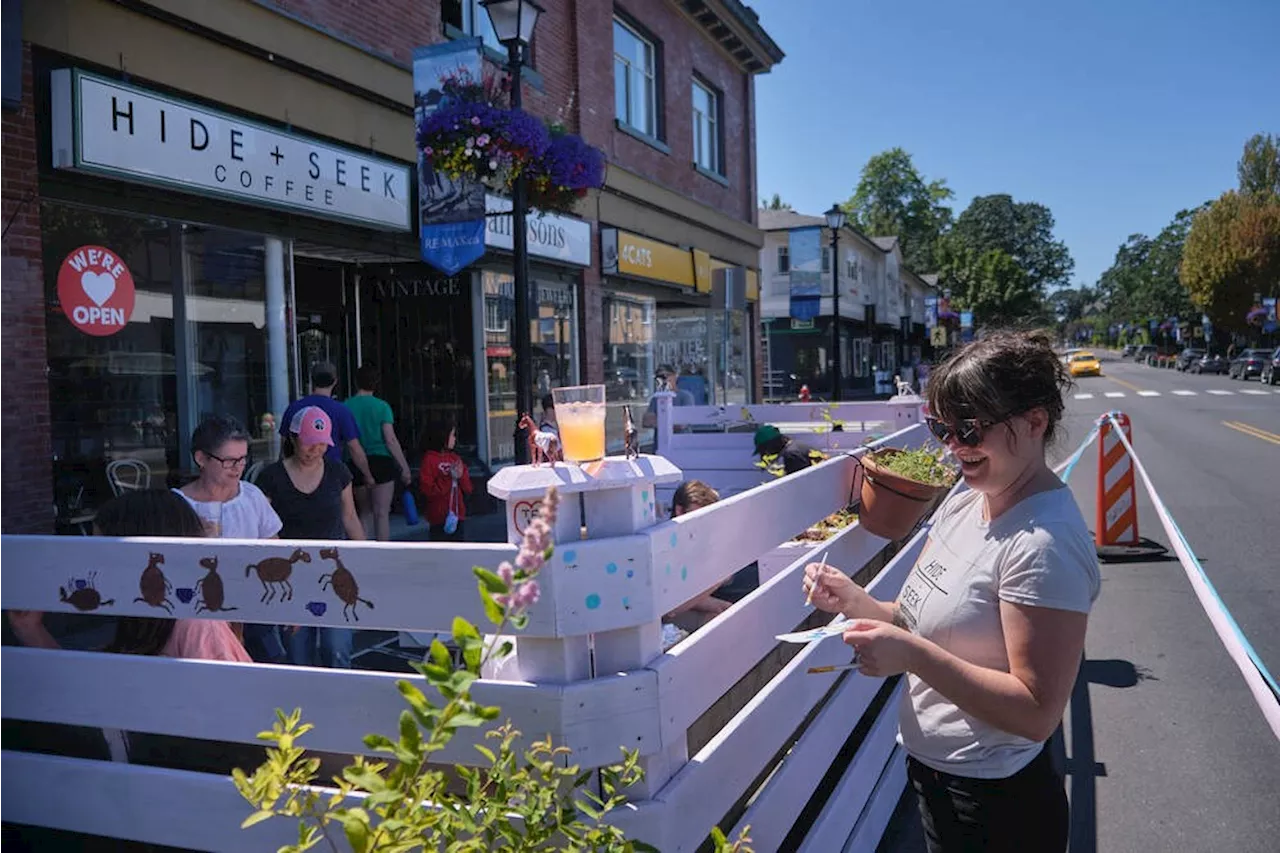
(883, 649)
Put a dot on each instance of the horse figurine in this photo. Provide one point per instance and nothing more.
(544, 445)
(630, 437)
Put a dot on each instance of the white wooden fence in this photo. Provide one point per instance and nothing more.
(608, 594)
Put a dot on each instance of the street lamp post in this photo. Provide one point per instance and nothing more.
(513, 22)
(835, 221)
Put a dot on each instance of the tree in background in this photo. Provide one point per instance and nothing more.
(775, 203)
(893, 199)
(1259, 166)
(1021, 230)
(1143, 282)
(991, 284)
(1232, 253)
(1072, 304)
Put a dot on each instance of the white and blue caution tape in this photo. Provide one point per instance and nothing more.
(1064, 471)
(1256, 675)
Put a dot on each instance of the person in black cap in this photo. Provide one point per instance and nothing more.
(791, 454)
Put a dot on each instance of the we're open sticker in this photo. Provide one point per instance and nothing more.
(96, 291)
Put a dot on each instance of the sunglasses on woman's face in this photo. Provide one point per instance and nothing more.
(967, 432)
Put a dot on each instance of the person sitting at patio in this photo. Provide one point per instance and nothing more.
(783, 450)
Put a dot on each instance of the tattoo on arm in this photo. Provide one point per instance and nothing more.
(898, 619)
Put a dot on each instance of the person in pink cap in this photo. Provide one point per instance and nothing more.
(312, 495)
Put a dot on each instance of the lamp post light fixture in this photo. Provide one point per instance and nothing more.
(513, 22)
(835, 221)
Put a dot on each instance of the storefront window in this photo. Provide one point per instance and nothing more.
(553, 335)
(630, 361)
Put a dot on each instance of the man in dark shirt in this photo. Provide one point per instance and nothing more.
(324, 378)
(790, 454)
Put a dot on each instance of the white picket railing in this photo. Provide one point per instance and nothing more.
(605, 594)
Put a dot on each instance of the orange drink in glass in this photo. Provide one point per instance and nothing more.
(580, 414)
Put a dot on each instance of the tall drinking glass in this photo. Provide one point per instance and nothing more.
(580, 413)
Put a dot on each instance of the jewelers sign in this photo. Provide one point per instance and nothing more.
(122, 131)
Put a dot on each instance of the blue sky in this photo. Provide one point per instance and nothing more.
(1114, 114)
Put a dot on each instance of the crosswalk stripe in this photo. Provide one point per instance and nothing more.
(1148, 393)
(1111, 395)
(1182, 393)
(1084, 396)
(1253, 391)
(1220, 392)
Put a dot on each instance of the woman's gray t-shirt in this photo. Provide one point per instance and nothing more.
(1038, 553)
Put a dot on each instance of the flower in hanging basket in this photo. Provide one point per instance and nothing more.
(563, 174)
(476, 140)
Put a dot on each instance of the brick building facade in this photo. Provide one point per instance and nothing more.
(338, 73)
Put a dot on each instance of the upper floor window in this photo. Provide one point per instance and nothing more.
(707, 145)
(851, 266)
(784, 259)
(469, 18)
(826, 261)
(634, 79)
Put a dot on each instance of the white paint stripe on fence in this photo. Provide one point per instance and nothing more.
(1222, 621)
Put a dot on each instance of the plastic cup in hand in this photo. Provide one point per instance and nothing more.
(580, 413)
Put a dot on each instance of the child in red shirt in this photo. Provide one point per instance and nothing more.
(445, 483)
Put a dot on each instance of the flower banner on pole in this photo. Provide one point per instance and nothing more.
(805, 252)
(451, 208)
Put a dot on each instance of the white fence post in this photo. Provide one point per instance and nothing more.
(664, 402)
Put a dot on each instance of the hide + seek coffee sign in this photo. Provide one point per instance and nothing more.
(118, 130)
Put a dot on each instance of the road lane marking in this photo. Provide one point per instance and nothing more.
(1128, 385)
(1182, 393)
(1219, 392)
(1148, 393)
(1084, 396)
(1254, 431)
(1254, 391)
(1112, 395)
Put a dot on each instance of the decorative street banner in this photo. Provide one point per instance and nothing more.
(451, 213)
(805, 247)
(930, 311)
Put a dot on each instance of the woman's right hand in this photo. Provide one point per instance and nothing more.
(835, 592)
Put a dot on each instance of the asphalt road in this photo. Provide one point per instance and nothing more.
(1165, 748)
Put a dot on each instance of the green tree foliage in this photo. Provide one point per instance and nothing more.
(775, 203)
(1021, 230)
(893, 199)
(1233, 252)
(1143, 282)
(991, 284)
(1259, 166)
(1071, 304)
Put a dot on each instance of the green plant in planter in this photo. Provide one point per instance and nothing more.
(922, 465)
(522, 800)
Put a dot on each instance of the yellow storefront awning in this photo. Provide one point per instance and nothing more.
(627, 254)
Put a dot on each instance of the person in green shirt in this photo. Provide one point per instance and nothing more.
(386, 458)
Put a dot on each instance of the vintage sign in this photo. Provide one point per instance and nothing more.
(122, 131)
(549, 235)
(96, 291)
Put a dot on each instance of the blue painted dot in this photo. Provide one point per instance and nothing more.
(593, 601)
(626, 602)
(631, 573)
(644, 496)
(684, 573)
(668, 568)
(673, 540)
(612, 568)
(570, 556)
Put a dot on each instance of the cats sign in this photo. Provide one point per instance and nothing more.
(96, 291)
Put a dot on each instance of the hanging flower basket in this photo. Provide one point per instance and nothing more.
(473, 136)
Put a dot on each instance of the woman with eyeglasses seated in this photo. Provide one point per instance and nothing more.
(990, 625)
(231, 508)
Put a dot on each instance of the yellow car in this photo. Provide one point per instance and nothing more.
(1084, 364)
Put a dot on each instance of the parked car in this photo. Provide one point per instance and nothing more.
(1186, 357)
(1128, 350)
(1248, 363)
(1271, 369)
(1083, 363)
(1141, 353)
(1209, 363)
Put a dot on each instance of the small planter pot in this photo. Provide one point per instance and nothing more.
(892, 505)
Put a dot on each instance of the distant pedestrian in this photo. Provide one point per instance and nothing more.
(386, 459)
(346, 433)
(445, 483)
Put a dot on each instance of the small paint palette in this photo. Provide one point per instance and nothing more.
(835, 629)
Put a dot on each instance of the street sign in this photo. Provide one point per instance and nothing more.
(801, 325)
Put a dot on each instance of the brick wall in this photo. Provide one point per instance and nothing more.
(26, 497)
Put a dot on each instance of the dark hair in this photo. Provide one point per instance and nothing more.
(548, 402)
(215, 431)
(693, 494)
(773, 446)
(367, 378)
(436, 435)
(323, 375)
(150, 512)
(999, 376)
